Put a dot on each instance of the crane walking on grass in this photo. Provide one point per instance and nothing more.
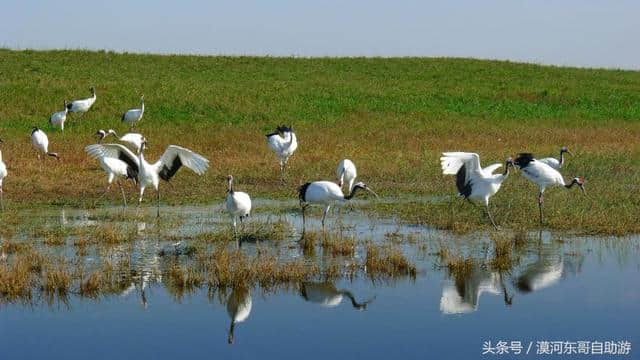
(325, 193)
(544, 176)
(82, 106)
(59, 117)
(238, 204)
(346, 172)
(557, 163)
(3, 174)
(133, 139)
(474, 183)
(40, 142)
(284, 143)
(133, 116)
(148, 174)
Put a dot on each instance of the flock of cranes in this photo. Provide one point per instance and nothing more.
(474, 183)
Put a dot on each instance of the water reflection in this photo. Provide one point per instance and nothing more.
(464, 294)
(238, 308)
(326, 294)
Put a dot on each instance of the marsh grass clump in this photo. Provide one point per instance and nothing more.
(57, 280)
(268, 231)
(91, 286)
(309, 244)
(503, 254)
(16, 280)
(10, 246)
(112, 234)
(387, 262)
(186, 279)
(338, 245)
(54, 240)
(460, 267)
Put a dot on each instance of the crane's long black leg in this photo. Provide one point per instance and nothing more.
(124, 198)
(491, 218)
(283, 172)
(304, 222)
(158, 212)
(540, 200)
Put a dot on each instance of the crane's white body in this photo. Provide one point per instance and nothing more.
(283, 146)
(114, 167)
(475, 183)
(59, 117)
(133, 116)
(325, 193)
(551, 162)
(131, 139)
(483, 183)
(238, 204)
(346, 173)
(3, 174)
(82, 106)
(40, 142)
(542, 175)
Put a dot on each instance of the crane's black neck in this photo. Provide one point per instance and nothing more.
(561, 156)
(354, 303)
(353, 192)
(570, 185)
(506, 169)
(230, 187)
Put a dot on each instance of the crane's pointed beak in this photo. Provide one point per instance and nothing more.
(373, 192)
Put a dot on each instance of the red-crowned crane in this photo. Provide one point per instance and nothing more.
(238, 204)
(133, 139)
(40, 142)
(473, 182)
(325, 193)
(284, 143)
(82, 106)
(557, 163)
(544, 176)
(133, 116)
(59, 117)
(3, 174)
(346, 173)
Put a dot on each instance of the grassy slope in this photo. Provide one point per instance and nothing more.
(391, 116)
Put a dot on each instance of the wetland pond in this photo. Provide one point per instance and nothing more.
(370, 287)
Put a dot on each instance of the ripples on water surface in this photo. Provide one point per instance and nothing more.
(551, 287)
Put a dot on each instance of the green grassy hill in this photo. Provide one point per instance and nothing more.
(393, 117)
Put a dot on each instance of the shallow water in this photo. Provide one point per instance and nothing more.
(563, 288)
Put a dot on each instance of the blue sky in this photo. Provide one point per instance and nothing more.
(567, 32)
